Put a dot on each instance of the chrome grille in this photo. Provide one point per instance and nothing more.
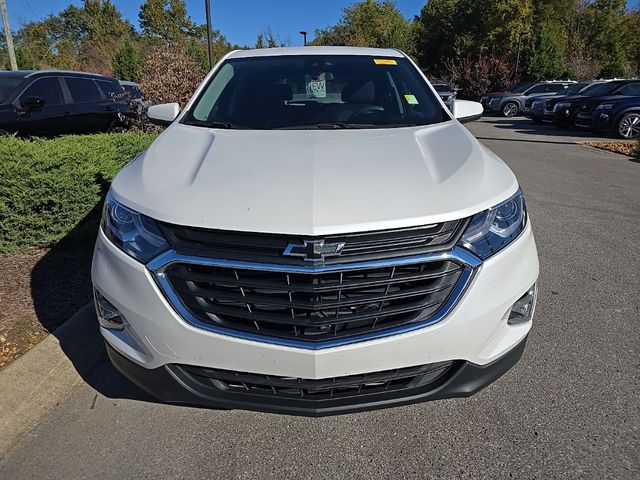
(314, 306)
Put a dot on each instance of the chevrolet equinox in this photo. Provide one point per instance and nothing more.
(314, 234)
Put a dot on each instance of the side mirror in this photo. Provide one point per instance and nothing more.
(466, 111)
(29, 103)
(163, 114)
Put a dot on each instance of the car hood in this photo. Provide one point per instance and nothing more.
(314, 182)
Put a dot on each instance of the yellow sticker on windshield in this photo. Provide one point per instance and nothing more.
(411, 99)
(384, 61)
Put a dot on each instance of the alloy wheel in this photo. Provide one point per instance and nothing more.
(510, 109)
(629, 126)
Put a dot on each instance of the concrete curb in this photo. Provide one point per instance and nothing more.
(35, 384)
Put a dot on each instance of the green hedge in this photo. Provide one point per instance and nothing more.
(52, 189)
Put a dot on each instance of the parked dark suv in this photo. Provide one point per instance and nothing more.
(58, 102)
(617, 115)
(566, 110)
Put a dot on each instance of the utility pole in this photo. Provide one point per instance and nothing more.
(7, 33)
(518, 56)
(304, 35)
(207, 6)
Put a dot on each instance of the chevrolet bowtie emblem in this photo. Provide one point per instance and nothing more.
(314, 250)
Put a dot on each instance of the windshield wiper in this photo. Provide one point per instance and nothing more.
(335, 125)
(225, 125)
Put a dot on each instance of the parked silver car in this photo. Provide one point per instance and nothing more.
(511, 102)
(447, 94)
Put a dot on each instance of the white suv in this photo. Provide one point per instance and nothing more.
(314, 234)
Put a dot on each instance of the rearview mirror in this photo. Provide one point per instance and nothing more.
(28, 103)
(163, 114)
(467, 111)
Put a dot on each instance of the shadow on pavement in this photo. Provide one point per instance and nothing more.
(526, 126)
(62, 297)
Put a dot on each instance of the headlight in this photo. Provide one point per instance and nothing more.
(605, 106)
(560, 105)
(492, 230)
(132, 232)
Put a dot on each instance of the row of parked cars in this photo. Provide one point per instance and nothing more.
(60, 102)
(604, 106)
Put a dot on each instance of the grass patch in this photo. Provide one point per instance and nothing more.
(51, 187)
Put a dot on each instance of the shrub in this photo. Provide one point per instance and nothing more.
(170, 74)
(636, 152)
(52, 187)
(475, 76)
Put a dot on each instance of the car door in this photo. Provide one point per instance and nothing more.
(53, 117)
(93, 111)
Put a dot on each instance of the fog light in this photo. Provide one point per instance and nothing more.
(522, 310)
(108, 316)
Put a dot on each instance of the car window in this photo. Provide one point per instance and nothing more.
(110, 89)
(47, 89)
(601, 89)
(7, 86)
(537, 89)
(83, 90)
(519, 87)
(309, 91)
(633, 89)
(555, 87)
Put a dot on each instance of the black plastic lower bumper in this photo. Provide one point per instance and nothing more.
(172, 384)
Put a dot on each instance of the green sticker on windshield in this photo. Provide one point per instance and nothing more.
(411, 99)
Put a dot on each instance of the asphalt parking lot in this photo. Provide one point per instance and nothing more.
(569, 409)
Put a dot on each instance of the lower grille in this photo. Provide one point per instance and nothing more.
(314, 306)
(325, 389)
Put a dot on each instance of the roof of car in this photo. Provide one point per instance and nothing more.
(16, 73)
(274, 52)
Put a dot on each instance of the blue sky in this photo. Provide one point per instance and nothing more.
(239, 20)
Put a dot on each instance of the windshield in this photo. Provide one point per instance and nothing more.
(8, 85)
(519, 87)
(309, 91)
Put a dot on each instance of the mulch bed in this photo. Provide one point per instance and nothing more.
(623, 147)
(39, 290)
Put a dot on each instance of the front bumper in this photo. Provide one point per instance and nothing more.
(171, 384)
(474, 333)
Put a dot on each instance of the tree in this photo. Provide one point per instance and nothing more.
(370, 23)
(165, 19)
(127, 63)
(607, 35)
(457, 29)
(83, 38)
(545, 55)
(260, 41)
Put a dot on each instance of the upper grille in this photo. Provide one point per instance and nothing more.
(269, 248)
(314, 306)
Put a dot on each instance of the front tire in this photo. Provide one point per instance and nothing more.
(629, 126)
(510, 109)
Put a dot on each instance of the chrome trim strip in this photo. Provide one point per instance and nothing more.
(164, 260)
(470, 262)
